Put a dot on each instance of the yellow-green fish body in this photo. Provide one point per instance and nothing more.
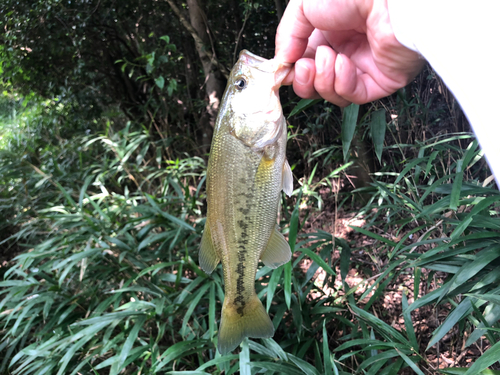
(247, 170)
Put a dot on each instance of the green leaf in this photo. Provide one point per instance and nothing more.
(81, 338)
(410, 330)
(276, 349)
(167, 215)
(407, 168)
(245, 368)
(389, 332)
(292, 237)
(273, 283)
(127, 346)
(410, 363)
(345, 258)
(326, 352)
(306, 368)
(287, 282)
(377, 128)
(281, 368)
(176, 351)
(457, 186)
(160, 82)
(462, 370)
(491, 356)
(211, 311)
(316, 258)
(453, 318)
(349, 120)
(302, 105)
(192, 305)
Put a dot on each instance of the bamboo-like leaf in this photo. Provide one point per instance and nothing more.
(463, 370)
(455, 316)
(316, 258)
(281, 368)
(384, 357)
(245, 368)
(192, 305)
(345, 259)
(127, 346)
(410, 330)
(487, 359)
(167, 216)
(328, 369)
(287, 282)
(176, 351)
(306, 368)
(81, 338)
(217, 361)
(407, 168)
(211, 311)
(410, 363)
(377, 128)
(491, 315)
(382, 327)
(302, 105)
(349, 121)
(272, 285)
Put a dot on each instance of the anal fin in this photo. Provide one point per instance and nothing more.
(277, 251)
(208, 257)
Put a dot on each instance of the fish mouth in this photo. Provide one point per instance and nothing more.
(280, 69)
(254, 61)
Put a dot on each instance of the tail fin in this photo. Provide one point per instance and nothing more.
(234, 327)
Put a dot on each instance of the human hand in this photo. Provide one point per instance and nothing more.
(344, 51)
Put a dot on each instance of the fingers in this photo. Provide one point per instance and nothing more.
(303, 82)
(302, 17)
(315, 78)
(344, 51)
(324, 81)
(335, 78)
(355, 86)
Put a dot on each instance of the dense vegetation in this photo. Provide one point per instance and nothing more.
(105, 124)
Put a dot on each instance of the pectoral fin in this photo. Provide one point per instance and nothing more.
(277, 251)
(208, 257)
(287, 179)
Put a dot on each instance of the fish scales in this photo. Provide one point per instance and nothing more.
(247, 170)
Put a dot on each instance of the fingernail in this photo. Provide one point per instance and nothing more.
(302, 73)
(339, 62)
(320, 66)
(320, 60)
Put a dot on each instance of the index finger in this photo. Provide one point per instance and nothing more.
(293, 33)
(302, 17)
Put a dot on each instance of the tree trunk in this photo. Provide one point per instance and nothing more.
(214, 80)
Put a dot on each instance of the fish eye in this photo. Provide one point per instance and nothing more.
(240, 84)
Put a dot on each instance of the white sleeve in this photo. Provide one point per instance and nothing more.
(461, 40)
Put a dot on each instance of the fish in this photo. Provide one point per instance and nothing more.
(247, 170)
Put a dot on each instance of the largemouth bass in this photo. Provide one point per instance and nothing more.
(247, 170)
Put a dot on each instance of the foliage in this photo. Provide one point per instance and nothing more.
(136, 56)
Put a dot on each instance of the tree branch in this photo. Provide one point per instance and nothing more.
(197, 39)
